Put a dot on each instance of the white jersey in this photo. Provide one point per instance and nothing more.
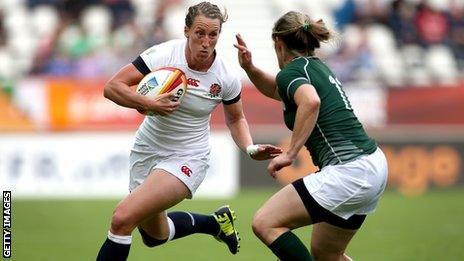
(187, 128)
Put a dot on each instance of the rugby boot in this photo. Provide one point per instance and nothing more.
(227, 233)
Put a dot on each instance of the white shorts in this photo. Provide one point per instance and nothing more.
(353, 188)
(188, 167)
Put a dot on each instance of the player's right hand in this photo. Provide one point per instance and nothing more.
(266, 151)
(163, 104)
(244, 55)
(279, 162)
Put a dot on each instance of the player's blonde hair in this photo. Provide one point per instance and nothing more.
(299, 33)
(207, 9)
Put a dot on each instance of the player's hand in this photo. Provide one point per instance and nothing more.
(163, 104)
(279, 162)
(266, 151)
(244, 55)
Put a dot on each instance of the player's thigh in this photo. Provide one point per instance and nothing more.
(285, 209)
(158, 192)
(329, 242)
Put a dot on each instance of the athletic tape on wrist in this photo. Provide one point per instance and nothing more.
(252, 149)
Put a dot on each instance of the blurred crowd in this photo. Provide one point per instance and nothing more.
(77, 38)
(400, 42)
(397, 41)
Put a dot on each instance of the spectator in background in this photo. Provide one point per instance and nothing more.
(46, 51)
(53, 56)
(432, 25)
(73, 50)
(371, 11)
(402, 22)
(60, 64)
(3, 81)
(157, 33)
(90, 65)
(346, 14)
(71, 10)
(457, 32)
(34, 3)
(354, 60)
(58, 54)
(121, 10)
(2, 29)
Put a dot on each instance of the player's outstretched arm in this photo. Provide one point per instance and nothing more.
(238, 126)
(263, 81)
(263, 151)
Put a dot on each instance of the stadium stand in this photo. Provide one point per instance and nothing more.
(397, 42)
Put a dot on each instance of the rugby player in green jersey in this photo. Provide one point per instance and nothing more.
(352, 169)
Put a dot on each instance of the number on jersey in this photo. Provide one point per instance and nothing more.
(337, 84)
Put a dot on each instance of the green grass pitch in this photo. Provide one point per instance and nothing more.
(429, 227)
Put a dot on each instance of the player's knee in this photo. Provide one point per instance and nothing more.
(122, 222)
(319, 253)
(316, 252)
(259, 225)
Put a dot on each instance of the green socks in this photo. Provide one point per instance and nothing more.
(289, 247)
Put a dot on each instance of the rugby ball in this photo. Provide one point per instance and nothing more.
(164, 80)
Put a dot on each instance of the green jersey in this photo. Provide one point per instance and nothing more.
(338, 136)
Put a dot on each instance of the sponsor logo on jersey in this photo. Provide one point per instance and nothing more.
(186, 170)
(193, 82)
(214, 90)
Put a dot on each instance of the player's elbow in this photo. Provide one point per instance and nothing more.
(233, 115)
(108, 90)
(236, 123)
(313, 103)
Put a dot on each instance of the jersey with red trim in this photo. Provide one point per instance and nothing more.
(187, 128)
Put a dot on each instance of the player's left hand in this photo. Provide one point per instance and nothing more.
(244, 54)
(279, 162)
(266, 151)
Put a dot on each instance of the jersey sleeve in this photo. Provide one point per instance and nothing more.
(140, 64)
(152, 58)
(288, 81)
(232, 92)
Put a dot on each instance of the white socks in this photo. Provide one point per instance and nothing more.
(126, 240)
(172, 229)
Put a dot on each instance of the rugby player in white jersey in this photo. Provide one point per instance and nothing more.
(170, 156)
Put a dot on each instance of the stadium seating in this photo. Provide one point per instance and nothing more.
(441, 65)
(29, 30)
